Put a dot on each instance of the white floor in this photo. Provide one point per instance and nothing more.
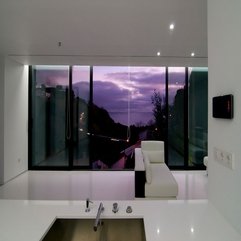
(96, 185)
(191, 184)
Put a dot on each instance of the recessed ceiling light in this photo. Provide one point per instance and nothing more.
(158, 53)
(192, 54)
(171, 26)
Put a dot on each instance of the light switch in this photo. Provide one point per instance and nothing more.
(224, 158)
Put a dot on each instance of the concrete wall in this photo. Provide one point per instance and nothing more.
(224, 62)
(15, 119)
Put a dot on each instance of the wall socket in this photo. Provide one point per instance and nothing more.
(223, 157)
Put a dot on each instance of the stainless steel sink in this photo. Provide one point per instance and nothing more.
(109, 230)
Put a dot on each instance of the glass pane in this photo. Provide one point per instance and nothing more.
(198, 115)
(176, 116)
(81, 98)
(148, 102)
(128, 108)
(109, 125)
(49, 95)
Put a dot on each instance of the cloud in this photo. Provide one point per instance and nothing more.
(112, 90)
(142, 84)
(109, 96)
(113, 87)
(52, 77)
(82, 90)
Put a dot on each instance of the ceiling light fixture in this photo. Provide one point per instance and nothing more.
(192, 54)
(158, 53)
(171, 26)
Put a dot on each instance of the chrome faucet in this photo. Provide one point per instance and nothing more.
(97, 220)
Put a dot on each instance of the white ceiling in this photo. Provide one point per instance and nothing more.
(104, 31)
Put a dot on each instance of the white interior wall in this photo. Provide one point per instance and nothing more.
(224, 62)
(15, 119)
(1, 119)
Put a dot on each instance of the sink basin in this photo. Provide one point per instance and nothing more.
(108, 230)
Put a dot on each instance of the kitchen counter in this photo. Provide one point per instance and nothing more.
(173, 220)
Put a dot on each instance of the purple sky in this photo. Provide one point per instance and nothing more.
(116, 88)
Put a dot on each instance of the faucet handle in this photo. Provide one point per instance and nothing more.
(87, 208)
(129, 209)
(115, 208)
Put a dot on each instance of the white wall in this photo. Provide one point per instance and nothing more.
(1, 119)
(224, 63)
(15, 119)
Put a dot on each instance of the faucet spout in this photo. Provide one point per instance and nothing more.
(97, 220)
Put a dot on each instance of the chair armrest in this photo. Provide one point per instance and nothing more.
(139, 164)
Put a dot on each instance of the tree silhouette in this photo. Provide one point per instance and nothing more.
(159, 114)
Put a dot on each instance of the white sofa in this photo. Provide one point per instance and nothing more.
(159, 181)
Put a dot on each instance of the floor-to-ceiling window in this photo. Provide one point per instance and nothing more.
(110, 122)
(94, 117)
(49, 87)
(59, 99)
(128, 106)
(80, 105)
(197, 115)
(176, 113)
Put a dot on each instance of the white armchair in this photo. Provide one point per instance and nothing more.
(159, 181)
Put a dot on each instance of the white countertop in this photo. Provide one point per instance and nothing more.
(173, 220)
